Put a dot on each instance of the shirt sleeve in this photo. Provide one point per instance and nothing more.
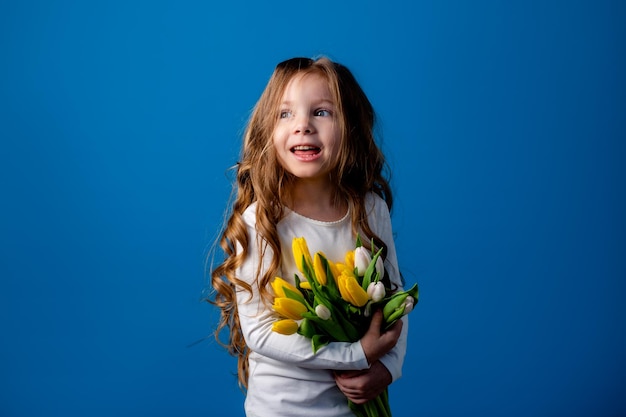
(256, 321)
(380, 221)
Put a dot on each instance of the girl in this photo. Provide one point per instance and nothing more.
(309, 168)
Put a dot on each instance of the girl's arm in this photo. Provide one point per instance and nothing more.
(380, 221)
(363, 386)
(256, 321)
(256, 318)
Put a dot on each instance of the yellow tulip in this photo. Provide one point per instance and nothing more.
(286, 326)
(279, 286)
(350, 259)
(343, 290)
(305, 285)
(358, 293)
(351, 291)
(318, 267)
(344, 269)
(300, 251)
(289, 308)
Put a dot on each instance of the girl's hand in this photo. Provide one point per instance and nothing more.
(376, 343)
(362, 386)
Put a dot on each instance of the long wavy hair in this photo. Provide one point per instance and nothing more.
(260, 178)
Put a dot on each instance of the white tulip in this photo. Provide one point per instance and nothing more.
(376, 291)
(322, 312)
(409, 303)
(362, 260)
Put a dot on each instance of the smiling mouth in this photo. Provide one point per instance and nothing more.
(305, 150)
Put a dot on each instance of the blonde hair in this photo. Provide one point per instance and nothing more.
(261, 178)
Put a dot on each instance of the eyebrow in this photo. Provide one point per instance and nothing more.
(317, 102)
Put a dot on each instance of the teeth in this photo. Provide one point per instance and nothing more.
(305, 148)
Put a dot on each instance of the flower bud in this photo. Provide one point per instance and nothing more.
(376, 291)
(279, 285)
(319, 268)
(286, 326)
(393, 305)
(349, 260)
(301, 254)
(362, 260)
(409, 303)
(289, 308)
(322, 312)
(351, 291)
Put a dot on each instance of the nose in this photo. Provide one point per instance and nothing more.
(303, 125)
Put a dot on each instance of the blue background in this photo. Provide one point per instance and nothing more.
(504, 123)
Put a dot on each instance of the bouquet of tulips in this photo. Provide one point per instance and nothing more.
(335, 302)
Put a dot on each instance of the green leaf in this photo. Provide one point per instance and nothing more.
(318, 341)
(331, 283)
(294, 295)
(397, 299)
(394, 317)
(329, 327)
(308, 272)
(307, 328)
(371, 269)
(393, 304)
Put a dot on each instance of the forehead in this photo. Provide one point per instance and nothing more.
(307, 86)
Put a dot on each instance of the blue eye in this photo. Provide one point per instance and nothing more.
(323, 113)
(285, 114)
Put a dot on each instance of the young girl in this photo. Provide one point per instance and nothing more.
(309, 168)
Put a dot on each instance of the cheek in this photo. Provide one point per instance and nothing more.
(278, 147)
(335, 150)
(336, 142)
(279, 137)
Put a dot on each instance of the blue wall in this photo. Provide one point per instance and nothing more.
(504, 123)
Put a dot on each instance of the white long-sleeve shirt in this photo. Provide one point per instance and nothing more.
(285, 377)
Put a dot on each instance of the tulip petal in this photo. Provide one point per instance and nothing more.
(289, 308)
(362, 260)
(319, 268)
(301, 254)
(349, 259)
(359, 295)
(286, 326)
(279, 286)
(322, 312)
(351, 291)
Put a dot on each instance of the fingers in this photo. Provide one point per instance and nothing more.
(393, 333)
(377, 321)
(376, 344)
(353, 388)
(366, 385)
(348, 374)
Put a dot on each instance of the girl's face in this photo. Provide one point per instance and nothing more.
(307, 136)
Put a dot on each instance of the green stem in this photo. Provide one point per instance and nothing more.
(383, 406)
(378, 407)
